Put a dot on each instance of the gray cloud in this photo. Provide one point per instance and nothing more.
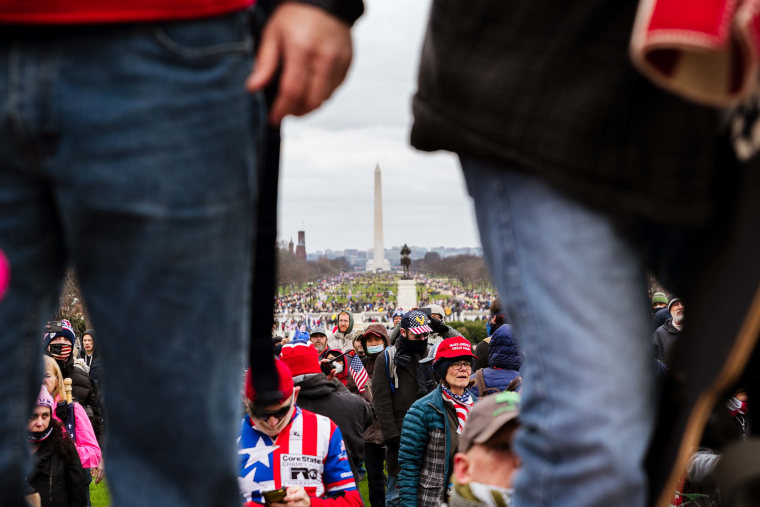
(328, 158)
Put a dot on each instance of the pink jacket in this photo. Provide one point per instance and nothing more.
(86, 443)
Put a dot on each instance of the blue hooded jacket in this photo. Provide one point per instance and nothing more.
(504, 360)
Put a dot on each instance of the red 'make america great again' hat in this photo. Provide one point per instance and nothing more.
(457, 346)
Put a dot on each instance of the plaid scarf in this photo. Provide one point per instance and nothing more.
(462, 404)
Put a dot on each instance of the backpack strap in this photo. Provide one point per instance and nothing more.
(515, 384)
(480, 381)
(390, 367)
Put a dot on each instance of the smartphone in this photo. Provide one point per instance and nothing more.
(54, 326)
(274, 496)
(426, 311)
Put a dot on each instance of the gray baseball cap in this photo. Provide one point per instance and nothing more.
(434, 308)
(487, 416)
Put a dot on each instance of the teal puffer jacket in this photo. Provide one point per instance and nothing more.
(424, 453)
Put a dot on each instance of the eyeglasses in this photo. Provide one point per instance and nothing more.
(461, 365)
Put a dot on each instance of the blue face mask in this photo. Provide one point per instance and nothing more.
(488, 329)
(374, 349)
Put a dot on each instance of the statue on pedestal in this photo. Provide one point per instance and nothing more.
(406, 261)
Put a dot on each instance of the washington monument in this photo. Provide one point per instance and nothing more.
(378, 261)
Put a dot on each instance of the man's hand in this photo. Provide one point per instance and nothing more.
(314, 51)
(296, 497)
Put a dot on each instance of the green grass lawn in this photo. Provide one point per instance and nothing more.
(100, 497)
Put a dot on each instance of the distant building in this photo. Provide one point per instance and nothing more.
(290, 246)
(301, 248)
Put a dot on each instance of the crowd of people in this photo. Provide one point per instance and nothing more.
(421, 412)
(359, 292)
(139, 142)
(401, 402)
(66, 429)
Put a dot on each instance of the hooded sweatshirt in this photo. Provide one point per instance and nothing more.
(344, 341)
(373, 434)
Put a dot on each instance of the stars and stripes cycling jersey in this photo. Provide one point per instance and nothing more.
(308, 452)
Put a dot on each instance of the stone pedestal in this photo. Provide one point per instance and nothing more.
(407, 294)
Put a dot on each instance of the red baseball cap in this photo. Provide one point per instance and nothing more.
(458, 346)
(285, 384)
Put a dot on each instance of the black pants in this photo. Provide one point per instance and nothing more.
(374, 460)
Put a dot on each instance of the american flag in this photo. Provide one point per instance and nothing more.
(358, 373)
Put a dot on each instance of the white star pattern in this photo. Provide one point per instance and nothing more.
(248, 485)
(259, 453)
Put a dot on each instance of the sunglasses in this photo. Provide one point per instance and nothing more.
(262, 413)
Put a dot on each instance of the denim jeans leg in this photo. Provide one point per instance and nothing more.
(152, 177)
(575, 292)
(392, 493)
(30, 236)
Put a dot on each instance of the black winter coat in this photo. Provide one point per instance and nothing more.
(58, 476)
(349, 411)
(663, 340)
(390, 408)
(85, 392)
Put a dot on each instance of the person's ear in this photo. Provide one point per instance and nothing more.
(296, 390)
(462, 468)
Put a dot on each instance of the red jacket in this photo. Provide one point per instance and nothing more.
(112, 11)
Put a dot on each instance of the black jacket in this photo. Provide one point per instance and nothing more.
(391, 407)
(349, 411)
(84, 391)
(547, 88)
(663, 340)
(58, 476)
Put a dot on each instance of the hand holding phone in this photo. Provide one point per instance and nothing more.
(274, 496)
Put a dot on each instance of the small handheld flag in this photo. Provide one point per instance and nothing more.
(358, 373)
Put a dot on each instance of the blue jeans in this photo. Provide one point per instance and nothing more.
(575, 292)
(129, 151)
(392, 493)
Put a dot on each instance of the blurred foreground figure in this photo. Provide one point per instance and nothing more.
(130, 135)
(583, 173)
(485, 466)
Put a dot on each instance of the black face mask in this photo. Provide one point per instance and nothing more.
(38, 436)
(413, 346)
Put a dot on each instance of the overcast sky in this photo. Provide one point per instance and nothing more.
(329, 157)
